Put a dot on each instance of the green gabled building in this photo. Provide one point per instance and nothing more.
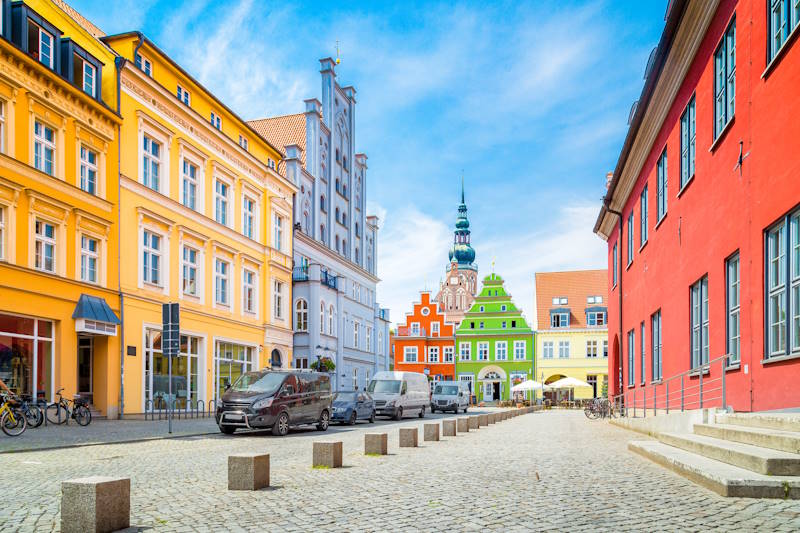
(494, 344)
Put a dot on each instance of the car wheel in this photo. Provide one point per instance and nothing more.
(228, 430)
(281, 427)
(372, 418)
(422, 412)
(324, 421)
(352, 420)
(398, 415)
(433, 410)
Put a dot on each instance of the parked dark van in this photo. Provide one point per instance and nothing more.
(277, 400)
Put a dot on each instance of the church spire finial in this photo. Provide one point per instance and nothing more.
(462, 187)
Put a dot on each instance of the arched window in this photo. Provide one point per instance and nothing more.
(275, 359)
(322, 317)
(332, 321)
(301, 315)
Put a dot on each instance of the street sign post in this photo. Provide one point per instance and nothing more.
(170, 346)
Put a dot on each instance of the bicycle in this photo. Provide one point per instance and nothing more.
(33, 413)
(12, 420)
(59, 412)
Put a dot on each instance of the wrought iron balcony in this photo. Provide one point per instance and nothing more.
(328, 280)
(300, 274)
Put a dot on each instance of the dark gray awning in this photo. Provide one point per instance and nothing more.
(94, 308)
(597, 309)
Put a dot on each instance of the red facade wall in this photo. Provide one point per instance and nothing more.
(722, 210)
(445, 337)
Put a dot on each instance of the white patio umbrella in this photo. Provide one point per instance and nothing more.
(529, 385)
(568, 383)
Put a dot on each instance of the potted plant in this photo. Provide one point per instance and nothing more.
(324, 364)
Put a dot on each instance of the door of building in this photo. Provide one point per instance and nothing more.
(487, 392)
(497, 393)
(85, 364)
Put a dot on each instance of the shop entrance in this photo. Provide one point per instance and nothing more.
(85, 367)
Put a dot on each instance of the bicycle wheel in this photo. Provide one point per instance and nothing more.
(56, 413)
(35, 416)
(82, 415)
(13, 424)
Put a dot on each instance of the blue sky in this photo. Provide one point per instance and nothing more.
(529, 100)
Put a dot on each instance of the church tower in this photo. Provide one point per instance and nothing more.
(457, 291)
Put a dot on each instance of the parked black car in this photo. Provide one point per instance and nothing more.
(277, 400)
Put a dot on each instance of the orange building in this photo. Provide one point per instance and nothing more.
(426, 343)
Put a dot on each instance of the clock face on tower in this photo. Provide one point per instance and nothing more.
(453, 281)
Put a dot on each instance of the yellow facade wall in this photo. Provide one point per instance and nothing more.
(578, 365)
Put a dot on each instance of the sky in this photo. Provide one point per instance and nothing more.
(528, 101)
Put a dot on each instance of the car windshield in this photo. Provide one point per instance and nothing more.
(446, 390)
(385, 385)
(258, 382)
(345, 397)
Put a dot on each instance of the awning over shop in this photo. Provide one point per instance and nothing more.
(93, 316)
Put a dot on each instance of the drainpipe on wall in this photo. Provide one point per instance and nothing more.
(119, 63)
(619, 289)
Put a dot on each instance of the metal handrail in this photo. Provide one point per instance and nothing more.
(699, 393)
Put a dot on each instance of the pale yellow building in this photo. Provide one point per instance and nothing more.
(206, 222)
(572, 332)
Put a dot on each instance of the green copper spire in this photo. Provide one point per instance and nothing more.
(461, 251)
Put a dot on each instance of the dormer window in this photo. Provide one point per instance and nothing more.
(40, 44)
(559, 319)
(183, 95)
(144, 64)
(216, 121)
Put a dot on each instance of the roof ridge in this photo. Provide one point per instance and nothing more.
(275, 117)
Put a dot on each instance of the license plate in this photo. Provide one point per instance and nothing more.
(234, 417)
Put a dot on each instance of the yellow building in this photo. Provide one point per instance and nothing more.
(572, 333)
(59, 297)
(206, 222)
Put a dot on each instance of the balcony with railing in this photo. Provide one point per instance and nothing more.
(300, 273)
(408, 332)
(328, 279)
(383, 313)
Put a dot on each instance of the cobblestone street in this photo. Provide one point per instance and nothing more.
(544, 471)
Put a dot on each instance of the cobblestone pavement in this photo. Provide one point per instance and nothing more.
(544, 471)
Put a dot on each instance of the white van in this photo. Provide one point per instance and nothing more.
(399, 393)
(450, 395)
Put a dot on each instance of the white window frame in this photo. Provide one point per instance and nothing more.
(183, 95)
(148, 253)
(368, 338)
(3, 211)
(277, 231)
(415, 329)
(42, 242)
(501, 351)
(355, 334)
(3, 106)
(733, 307)
(243, 142)
(87, 167)
(188, 265)
(87, 255)
(41, 145)
(548, 349)
(592, 348)
(409, 351)
(222, 201)
(249, 217)
(157, 133)
(277, 299)
(216, 121)
(433, 354)
(92, 79)
(448, 353)
(434, 329)
(144, 64)
(520, 350)
(222, 282)
(150, 160)
(563, 349)
(250, 291)
(483, 351)
(301, 315)
(51, 44)
(331, 320)
(464, 351)
(698, 316)
(190, 183)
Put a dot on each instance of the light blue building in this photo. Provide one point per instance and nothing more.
(335, 314)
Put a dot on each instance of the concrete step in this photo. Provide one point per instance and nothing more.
(761, 460)
(779, 421)
(722, 478)
(787, 441)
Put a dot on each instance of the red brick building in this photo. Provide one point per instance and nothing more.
(426, 342)
(702, 214)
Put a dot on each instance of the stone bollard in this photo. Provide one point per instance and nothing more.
(462, 424)
(409, 437)
(483, 420)
(431, 432)
(327, 454)
(376, 443)
(473, 422)
(96, 503)
(449, 427)
(493, 418)
(248, 471)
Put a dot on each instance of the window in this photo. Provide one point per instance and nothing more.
(144, 64)
(699, 307)
(89, 258)
(151, 163)
(40, 44)
(189, 264)
(151, 258)
(368, 339)
(243, 142)
(630, 238)
(355, 378)
(464, 350)
(725, 79)
(189, 185)
(2, 232)
(655, 345)
(480, 325)
(591, 349)
(483, 351)
(435, 329)
(732, 306)
(355, 334)
(784, 17)
(88, 170)
(642, 352)
(513, 323)
(2, 126)
(481, 309)
(277, 236)
(221, 192)
(410, 354)
(503, 324)
(519, 350)
(558, 300)
(631, 344)
(614, 266)
(559, 320)
(322, 317)
(433, 354)
(688, 135)
(415, 329)
(605, 349)
(84, 75)
(661, 186)
(503, 307)
(216, 121)
(221, 279)
(331, 320)
(643, 217)
(563, 349)
(249, 291)
(448, 354)
(183, 95)
(248, 217)
(322, 207)
(301, 315)
(783, 286)
(500, 350)
(594, 299)
(596, 318)
(547, 350)
(44, 148)
(277, 299)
